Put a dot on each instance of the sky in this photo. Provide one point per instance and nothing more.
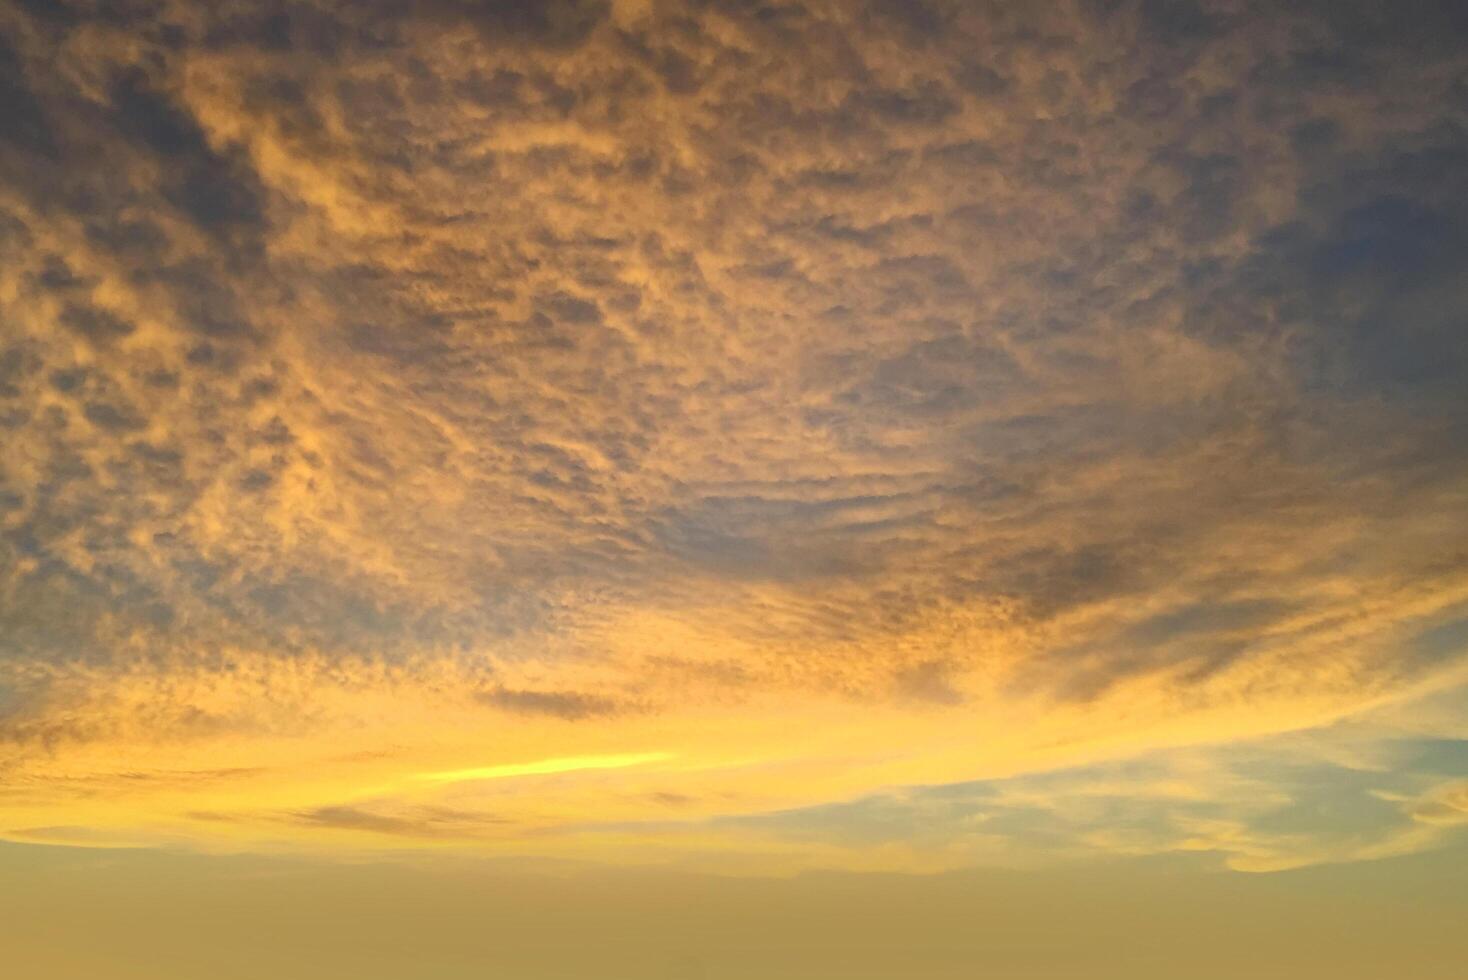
(772, 488)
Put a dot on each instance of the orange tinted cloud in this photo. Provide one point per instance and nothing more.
(832, 399)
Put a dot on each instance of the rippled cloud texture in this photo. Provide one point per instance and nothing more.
(747, 436)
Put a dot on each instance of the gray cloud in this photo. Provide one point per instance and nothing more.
(570, 705)
(426, 822)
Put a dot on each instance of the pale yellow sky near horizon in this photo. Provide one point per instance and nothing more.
(80, 915)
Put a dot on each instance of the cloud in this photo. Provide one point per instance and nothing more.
(1266, 805)
(562, 704)
(1446, 807)
(570, 377)
(426, 823)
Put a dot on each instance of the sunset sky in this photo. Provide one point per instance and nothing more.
(712, 489)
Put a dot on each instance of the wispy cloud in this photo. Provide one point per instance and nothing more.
(542, 767)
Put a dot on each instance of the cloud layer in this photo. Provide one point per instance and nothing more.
(829, 396)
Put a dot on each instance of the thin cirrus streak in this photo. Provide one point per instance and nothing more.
(544, 767)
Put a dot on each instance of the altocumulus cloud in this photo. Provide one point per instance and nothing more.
(584, 375)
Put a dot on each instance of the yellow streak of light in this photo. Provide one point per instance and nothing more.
(546, 766)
